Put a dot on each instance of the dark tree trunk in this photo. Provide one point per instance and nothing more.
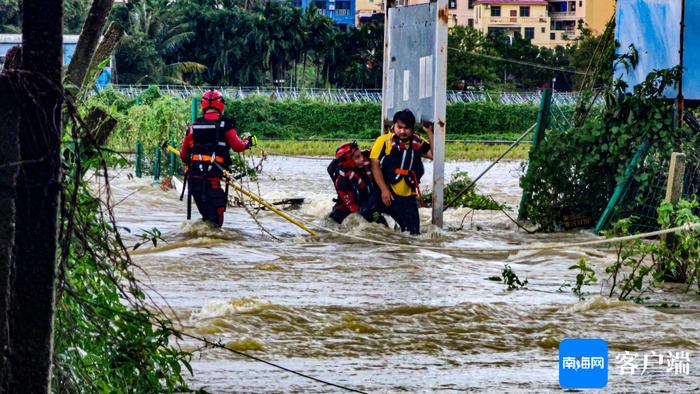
(37, 198)
(89, 37)
(9, 153)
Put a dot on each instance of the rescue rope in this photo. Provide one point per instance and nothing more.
(562, 245)
(208, 342)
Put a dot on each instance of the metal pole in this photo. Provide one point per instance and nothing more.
(139, 159)
(680, 104)
(541, 125)
(156, 165)
(195, 104)
(172, 158)
(388, 4)
(440, 87)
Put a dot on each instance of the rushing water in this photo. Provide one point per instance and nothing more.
(383, 318)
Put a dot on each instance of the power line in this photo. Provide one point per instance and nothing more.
(212, 344)
(520, 62)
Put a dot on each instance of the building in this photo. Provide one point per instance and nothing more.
(517, 18)
(460, 13)
(341, 11)
(368, 10)
(567, 14)
(8, 41)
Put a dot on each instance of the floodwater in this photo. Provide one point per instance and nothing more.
(391, 318)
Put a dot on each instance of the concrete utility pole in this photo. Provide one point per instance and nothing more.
(415, 76)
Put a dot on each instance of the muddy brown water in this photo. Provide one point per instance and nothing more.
(382, 318)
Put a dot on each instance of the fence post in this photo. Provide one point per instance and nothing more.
(195, 104)
(139, 159)
(621, 189)
(156, 165)
(172, 158)
(674, 188)
(543, 116)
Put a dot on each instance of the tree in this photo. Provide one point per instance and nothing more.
(464, 65)
(38, 90)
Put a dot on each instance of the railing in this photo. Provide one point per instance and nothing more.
(507, 20)
(343, 95)
(561, 14)
(342, 12)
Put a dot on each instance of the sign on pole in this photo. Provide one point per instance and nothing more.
(415, 76)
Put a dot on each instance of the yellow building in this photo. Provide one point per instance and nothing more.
(366, 8)
(460, 12)
(567, 14)
(524, 18)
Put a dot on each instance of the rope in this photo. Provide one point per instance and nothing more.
(214, 344)
(563, 245)
(510, 148)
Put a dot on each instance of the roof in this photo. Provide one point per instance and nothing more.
(17, 38)
(522, 2)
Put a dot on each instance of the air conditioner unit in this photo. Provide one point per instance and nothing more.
(331, 7)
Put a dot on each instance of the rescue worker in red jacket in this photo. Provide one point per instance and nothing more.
(352, 177)
(205, 150)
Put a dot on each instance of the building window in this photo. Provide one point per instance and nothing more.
(471, 4)
(529, 33)
(552, 36)
(452, 4)
(544, 29)
(470, 22)
(580, 4)
(524, 11)
(495, 10)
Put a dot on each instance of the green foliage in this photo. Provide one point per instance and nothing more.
(107, 337)
(679, 256)
(74, 13)
(632, 274)
(303, 118)
(584, 277)
(511, 280)
(470, 199)
(580, 167)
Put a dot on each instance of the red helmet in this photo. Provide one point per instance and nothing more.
(344, 154)
(213, 99)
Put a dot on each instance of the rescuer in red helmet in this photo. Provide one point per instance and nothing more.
(205, 150)
(352, 177)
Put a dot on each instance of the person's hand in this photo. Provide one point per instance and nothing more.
(427, 126)
(387, 197)
(251, 141)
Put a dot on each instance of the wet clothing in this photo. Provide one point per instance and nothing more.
(402, 167)
(404, 210)
(401, 162)
(208, 140)
(354, 187)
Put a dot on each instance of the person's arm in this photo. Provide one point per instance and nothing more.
(428, 129)
(387, 196)
(374, 155)
(346, 194)
(234, 142)
(186, 146)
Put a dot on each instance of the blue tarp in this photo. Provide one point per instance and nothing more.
(653, 27)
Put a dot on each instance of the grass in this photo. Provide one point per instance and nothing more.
(454, 151)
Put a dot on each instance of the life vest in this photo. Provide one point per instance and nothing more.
(209, 146)
(403, 161)
(360, 179)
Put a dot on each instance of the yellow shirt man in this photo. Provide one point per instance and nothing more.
(382, 147)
